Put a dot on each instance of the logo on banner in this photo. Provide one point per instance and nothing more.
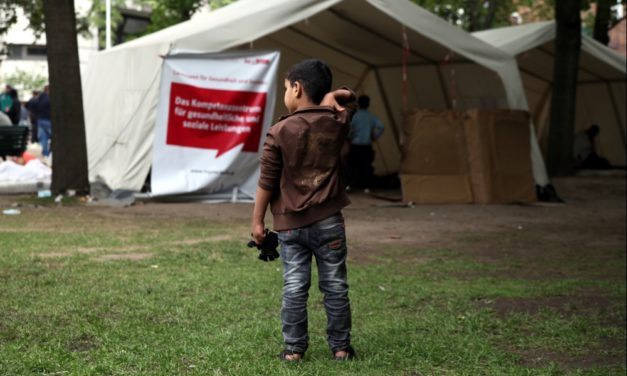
(215, 119)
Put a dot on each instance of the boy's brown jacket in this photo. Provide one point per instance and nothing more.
(302, 166)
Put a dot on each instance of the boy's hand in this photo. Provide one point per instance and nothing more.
(258, 232)
(262, 198)
(336, 98)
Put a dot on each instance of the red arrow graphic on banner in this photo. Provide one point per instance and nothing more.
(215, 119)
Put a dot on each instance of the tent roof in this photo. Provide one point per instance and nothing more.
(245, 21)
(597, 63)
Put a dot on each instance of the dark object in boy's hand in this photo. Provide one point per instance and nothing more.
(267, 249)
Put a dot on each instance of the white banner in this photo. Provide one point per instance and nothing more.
(214, 111)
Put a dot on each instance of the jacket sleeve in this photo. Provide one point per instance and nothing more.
(271, 162)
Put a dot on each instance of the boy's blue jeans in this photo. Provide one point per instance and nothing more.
(326, 240)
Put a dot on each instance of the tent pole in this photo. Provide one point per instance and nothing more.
(108, 24)
(381, 155)
(542, 104)
(541, 114)
(447, 97)
(386, 103)
(362, 78)
(538, 77)
(617, 115)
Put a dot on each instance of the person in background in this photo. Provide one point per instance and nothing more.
(32, 110)
(44, 123)
(585, 150)
(16, 107)
(5, 100)
(365, 128)
(24, 115)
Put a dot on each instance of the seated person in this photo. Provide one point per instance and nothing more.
(585, 151)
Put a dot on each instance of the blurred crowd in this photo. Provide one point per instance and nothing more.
(34, 113)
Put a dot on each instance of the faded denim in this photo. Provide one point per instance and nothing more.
(326, 240)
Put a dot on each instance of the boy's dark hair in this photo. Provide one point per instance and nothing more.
(314, 75)
(363, 101)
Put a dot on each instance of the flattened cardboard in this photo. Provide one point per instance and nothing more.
(433, 144)
(480, 156)
(499, 154)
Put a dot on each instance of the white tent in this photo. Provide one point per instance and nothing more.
(601, 89)
(361, 40)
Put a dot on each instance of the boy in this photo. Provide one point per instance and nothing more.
(302, 180)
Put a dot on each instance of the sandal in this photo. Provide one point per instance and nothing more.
(350, 354)
(283, 356)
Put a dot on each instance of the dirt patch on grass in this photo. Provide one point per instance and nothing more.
(133, 248)
(124, 256)
(82, 343)
(600, 358)
(53, 254)
(564, 306)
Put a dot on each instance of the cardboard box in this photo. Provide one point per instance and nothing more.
(480, 156)
(499, 153)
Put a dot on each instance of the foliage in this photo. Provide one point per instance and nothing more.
(96, 17)
(166, 13)
(534, 11)
(26, 81)
(472, 15)
(9, 12)
(33, 9)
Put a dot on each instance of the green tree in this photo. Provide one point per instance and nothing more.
(61, 25)
(34, 11)
(166, 13)
(26, 81)
(66, 101)
(471, 15)
(32, 8)
(96, 17)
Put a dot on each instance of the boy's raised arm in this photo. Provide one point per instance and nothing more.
(339, 99)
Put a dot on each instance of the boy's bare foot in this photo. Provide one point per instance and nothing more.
(290, 356)
(346, 354)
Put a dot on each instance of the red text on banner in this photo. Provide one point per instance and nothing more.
(215, 119)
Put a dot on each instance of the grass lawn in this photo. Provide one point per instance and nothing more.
(82, 294)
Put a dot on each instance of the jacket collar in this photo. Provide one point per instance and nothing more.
(309, 109)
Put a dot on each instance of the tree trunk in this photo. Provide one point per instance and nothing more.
(602, 21)
(488, 20)
(472, 14)
(567, 47)
(69, 148)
